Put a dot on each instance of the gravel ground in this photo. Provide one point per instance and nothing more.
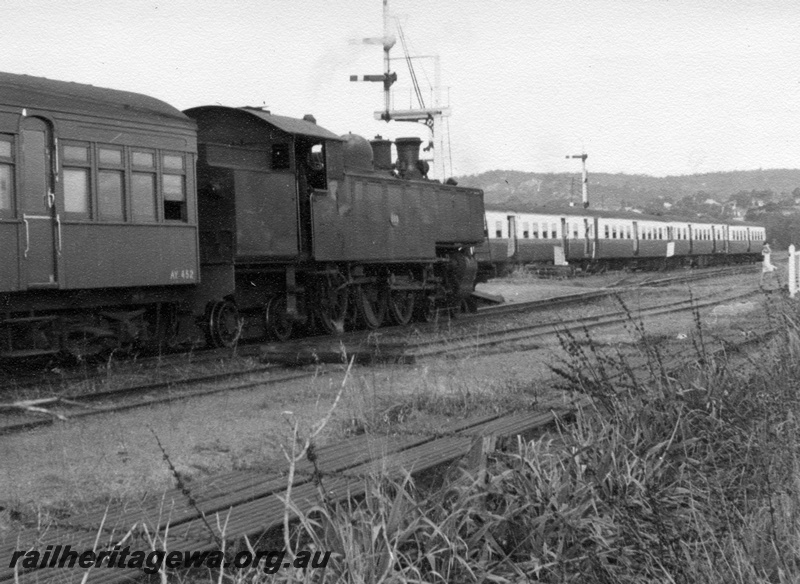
(83, 463)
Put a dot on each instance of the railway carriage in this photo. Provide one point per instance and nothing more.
(592, 239)
(125, 221)
(98, 217)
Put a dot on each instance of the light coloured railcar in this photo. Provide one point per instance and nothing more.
(592, 240)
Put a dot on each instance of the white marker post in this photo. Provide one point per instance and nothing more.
(794, 271)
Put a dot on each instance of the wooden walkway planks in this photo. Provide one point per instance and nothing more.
(249, 503)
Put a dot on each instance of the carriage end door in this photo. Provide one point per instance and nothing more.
(40, 218)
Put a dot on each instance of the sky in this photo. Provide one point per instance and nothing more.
(658, 87)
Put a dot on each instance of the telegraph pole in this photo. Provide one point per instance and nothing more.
(585, 178)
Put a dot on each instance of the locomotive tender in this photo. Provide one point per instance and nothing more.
(124, 221)
(593, 239)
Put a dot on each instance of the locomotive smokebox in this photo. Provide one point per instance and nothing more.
(357, 153)
(408, 156)
(382, 150)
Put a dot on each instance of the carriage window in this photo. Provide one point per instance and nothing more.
(6, 193)
(76, 190)
(173, 186)
(77, 184)
(6, 174)
(606, 232)
(109, 156)
(143, 159)
(172, 162)
(575, 230)
(525, 231)
(110, 202)
(76, 154)
(174, 197)
(143, 196)
(535, 230)
(498, 229)
(110, 195)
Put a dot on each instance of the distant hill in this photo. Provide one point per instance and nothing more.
(619, 191)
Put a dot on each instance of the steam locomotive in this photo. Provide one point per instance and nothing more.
(124, 221)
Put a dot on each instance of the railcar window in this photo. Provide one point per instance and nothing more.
(76, 191)
(173, 186)
(554, 230)
(109, 184)
(606, 231)
(174, 197)
(143, 196)
(525, 231)
(498, 229)
(172, 162)
(575, 230)
(536, 231)
(6, 174)
(614, 232)
(6, 192)
(110, 156)
(110, 195)
(76, 154)
(77, 179)
(143, 159)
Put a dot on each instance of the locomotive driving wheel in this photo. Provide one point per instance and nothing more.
(426, 309)
(401, 306)
(331, 303)
(371, 303)
(279, 325)
(223, 326)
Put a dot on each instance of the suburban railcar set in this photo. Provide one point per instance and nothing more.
(124, 220)
(592, 240)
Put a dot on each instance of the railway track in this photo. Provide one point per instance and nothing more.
(253, 503)
(465, 336)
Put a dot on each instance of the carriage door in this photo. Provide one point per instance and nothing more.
(587, 241)
(38, 205)
(636, 238)
(565, 236)
(512, 236)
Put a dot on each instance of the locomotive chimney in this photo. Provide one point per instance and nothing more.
(408, 156)
(382, 153)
